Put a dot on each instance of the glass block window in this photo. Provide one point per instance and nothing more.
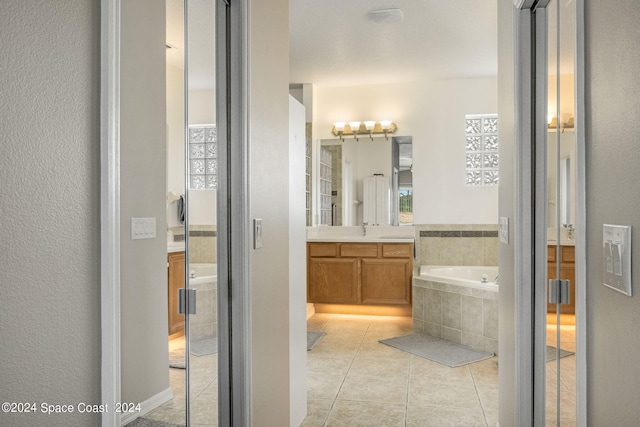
(481, 150)
(203, 157)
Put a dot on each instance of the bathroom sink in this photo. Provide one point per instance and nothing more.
(396, 237)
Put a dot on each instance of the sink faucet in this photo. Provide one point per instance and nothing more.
(364, 228)
(496, 279)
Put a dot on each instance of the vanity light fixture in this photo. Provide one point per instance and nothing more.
(552, 122)
(370, 127)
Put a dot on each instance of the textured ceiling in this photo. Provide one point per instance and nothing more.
(333, 43)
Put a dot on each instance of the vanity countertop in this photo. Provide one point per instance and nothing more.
(175, 247)
(562, 242)
(362, 239)
(404, 234)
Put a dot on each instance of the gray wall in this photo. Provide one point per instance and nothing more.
(613, 197)
(506, 208)
(269, 183)
(49, 207)
(143, 288)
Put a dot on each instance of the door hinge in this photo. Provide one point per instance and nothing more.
(186, 301)
(559, 291)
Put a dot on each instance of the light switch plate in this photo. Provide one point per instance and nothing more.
(504, 229)
(616, 257)
(257, 233)
(143, 228)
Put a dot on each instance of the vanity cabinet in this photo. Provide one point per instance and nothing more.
(175, 262)
(567, 272)
(359, 273)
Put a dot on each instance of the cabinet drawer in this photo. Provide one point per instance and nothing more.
(397, 250)
(568, 254)
(323, 250)
(362, 250)
(551, 254)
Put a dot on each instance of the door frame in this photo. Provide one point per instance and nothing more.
(530, 213)
(234, 383)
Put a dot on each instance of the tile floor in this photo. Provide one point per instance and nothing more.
(567, 373)
(204, 392)
(353, 380)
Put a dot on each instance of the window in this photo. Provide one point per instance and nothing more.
(203, 157)
(481, 148)
(405, 200)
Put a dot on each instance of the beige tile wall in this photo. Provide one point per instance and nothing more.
(202, 242)
(456, 314)
(456, 244)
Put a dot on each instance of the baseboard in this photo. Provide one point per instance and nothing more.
(311, 310)
(147, 406)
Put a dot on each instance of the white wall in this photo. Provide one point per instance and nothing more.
(432, 112)
(613, 197)
(268, 95)
(50, 208)
(175, 139)
(143, 288)
(202, 203)
(506, 296)
(297, 264)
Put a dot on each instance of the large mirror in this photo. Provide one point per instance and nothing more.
(344, 165)
(561, 183)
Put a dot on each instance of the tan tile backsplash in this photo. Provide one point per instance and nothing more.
(202, 242)
(456, 244)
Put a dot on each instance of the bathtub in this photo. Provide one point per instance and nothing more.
(470, 276)
(204, 279)
(202, 273)
(453, 303)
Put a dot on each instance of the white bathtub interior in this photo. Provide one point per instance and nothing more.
(481, 277)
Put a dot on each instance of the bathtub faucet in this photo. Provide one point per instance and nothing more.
(364, 228)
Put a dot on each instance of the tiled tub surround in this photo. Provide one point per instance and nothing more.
(203, 324)
(202, 242)
(460, 314)
(456, 244)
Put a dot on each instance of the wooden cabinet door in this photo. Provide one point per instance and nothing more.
(175, 282)
(334, 280)
(386, 281)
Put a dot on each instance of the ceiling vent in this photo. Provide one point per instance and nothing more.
(386, 16)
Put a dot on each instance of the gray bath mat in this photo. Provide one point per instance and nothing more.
(436, 349)
(147, 422)
(176, 359)
(313, 338)
(551, 353)
(200, 347)
(204, 346)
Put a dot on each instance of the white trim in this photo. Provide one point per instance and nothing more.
(110, 206)
(523, 217)
(581, 223)
(147, 406)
